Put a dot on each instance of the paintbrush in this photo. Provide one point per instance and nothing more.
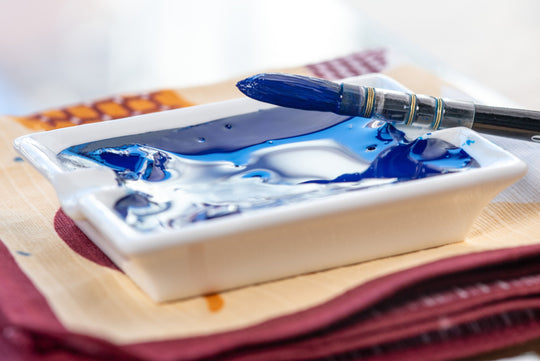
(309, 93)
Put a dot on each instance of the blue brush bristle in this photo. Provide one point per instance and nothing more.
(292, 91)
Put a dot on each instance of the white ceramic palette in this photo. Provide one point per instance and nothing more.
(272, 242)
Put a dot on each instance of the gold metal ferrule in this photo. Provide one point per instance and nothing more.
(370, 102)
(438, 115)
(412, 110)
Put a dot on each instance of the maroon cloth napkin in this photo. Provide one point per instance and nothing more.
(447, 309)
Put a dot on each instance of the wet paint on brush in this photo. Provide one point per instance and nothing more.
(264, 159)
(315, 94)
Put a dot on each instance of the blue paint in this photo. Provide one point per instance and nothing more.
(224, 135)
(18, 159)
(264, 159)
(293, 91)
(352, 133)
(407, 161)
(132, 162)
(22, 253)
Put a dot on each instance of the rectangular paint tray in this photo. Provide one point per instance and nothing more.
(290, 234)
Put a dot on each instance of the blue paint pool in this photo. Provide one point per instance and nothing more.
(265, 159)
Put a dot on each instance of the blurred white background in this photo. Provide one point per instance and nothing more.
(58, 52)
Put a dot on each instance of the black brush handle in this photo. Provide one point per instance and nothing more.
(507, 117)
(507, 122)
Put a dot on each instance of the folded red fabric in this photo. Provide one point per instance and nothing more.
(447, 309)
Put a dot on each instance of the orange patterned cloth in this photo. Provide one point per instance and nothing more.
(116, 107)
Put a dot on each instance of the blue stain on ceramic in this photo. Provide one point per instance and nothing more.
(264, 175)
(22, 253)
(18, 159)
(264, 159)
(211, 211)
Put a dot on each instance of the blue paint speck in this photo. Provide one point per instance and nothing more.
(22, 253)
(18, 159)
